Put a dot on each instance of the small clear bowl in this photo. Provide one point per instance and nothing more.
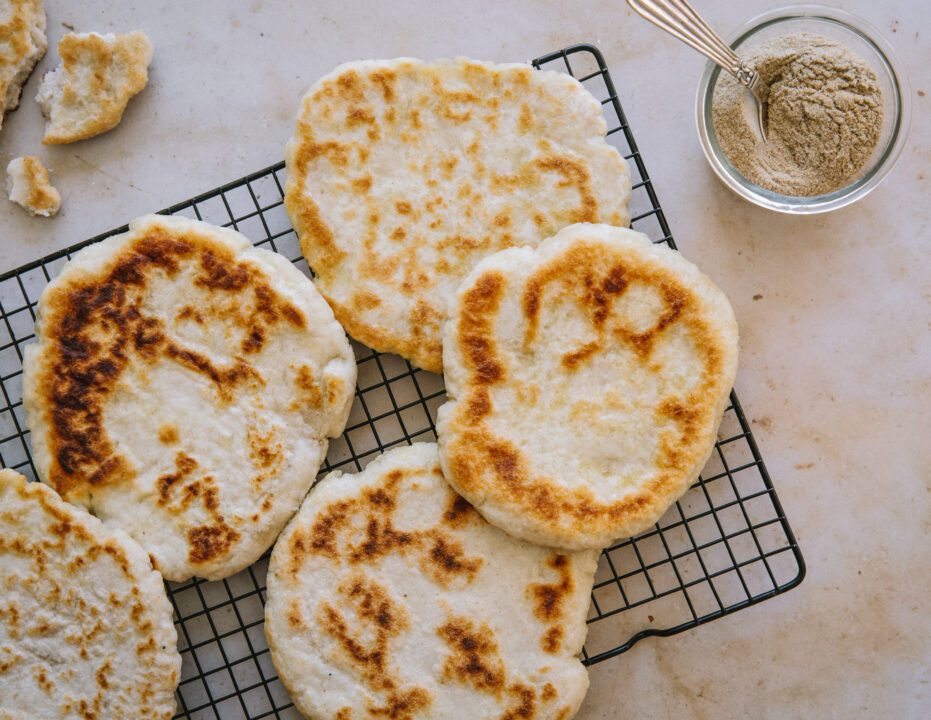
(864, 40)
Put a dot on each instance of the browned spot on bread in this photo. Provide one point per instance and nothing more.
(548, 598)
(478, 305)
(220, 274)
(323, 533)
(184, 466)
(295, 615)
(208, 542)
(334, 534)
(572, 360)
(11, 661)
(403, 705)
(365, 643)
(551, 641)
(95, 326)
(502, 219)
(675, 299)
(474, 659)
(168, 434)
(317, 242)
(582, 282)
(446, 560)
(575, 174)
(349, 86)
(307, 391)
(102, 673)
(344, 713)
(362, 184)
(403, 207)
(359, 116)
(458, 512)
(448, 165)
(225, 378)
(380, 539)
(525, 121)
(190, 313)
(398, 234)
(549, 693)
(265, 452)
(385, 80)
(364, 300)
(523, 703)
(42, 680)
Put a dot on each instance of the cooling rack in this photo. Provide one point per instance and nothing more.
(724, 546)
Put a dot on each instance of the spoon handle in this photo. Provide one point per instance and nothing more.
(679, 19)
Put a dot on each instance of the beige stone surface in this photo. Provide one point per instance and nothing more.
(836, 351)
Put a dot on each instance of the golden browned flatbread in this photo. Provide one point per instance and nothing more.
(183, 387)
(390, 597)
(586, 381)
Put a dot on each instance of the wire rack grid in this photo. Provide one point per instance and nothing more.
(724, 546)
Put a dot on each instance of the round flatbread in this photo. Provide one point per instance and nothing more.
(183, 388)
(85, 624)
(403, 174)
(586, 381)
(388, 596)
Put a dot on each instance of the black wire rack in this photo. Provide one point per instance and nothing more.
(724, 546)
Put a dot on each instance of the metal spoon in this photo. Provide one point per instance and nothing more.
(679, 18)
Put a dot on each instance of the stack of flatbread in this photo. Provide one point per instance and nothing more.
(470, 217)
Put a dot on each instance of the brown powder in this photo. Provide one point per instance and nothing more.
(825, 117)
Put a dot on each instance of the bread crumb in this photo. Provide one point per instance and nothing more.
(87, 94)
(29, 186)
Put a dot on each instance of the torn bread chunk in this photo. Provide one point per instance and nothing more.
(87, 94)
(29, 187)
(22, 45)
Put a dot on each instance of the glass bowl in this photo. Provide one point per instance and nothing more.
(862, 39)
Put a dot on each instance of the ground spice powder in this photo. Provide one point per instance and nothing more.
(825, 117)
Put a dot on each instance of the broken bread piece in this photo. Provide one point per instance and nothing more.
(29, 187)
(87, 94)
(22, 45)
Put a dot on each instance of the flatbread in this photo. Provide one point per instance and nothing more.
(22, 45)
(85, 624)
(403, 174)
(388, 596)
(99, 74)
(183, 388)
(586, 380)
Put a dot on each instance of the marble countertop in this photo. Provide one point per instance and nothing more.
(834, 310)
